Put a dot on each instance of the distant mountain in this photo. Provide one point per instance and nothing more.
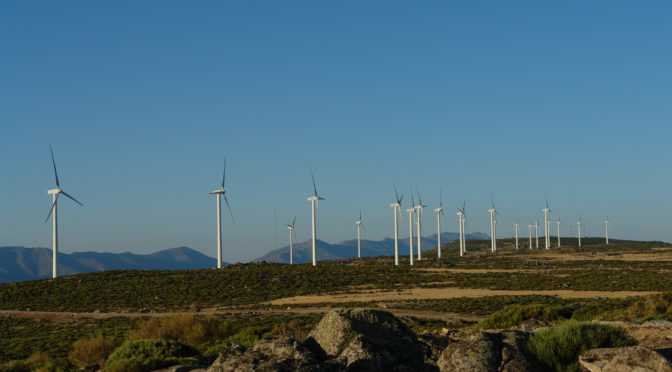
(18, 263)
(348, 248)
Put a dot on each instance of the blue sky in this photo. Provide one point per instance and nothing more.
(142, 100)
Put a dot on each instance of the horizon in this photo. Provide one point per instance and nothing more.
(515, 100)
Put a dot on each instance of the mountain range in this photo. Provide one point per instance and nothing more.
(19, 263)
(348, 248)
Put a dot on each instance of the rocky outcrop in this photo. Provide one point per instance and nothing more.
(624, 359)
(489, 352)
(369, 340)
(270, 354)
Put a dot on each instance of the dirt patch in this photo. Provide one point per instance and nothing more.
(446, 293)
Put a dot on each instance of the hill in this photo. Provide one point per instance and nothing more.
(19, 263)
(348, 248)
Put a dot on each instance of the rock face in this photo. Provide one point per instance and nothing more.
(369, 340)
(270, 354)
(489, 352)
(624, 359)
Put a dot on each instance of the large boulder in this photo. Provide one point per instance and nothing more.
(369, 340)
(489, 352)
(624, 359)
(269, 354)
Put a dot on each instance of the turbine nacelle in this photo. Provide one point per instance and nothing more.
(492, 210)
(395, 205)
(411, 210)
(220, 191)
(438, 210)
(54, 192)
(314, 198)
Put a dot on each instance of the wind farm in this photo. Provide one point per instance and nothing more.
(323, 118)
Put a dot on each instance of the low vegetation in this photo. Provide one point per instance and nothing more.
(559, 347)
(148, 355)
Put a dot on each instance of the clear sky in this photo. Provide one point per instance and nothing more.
(142, 100)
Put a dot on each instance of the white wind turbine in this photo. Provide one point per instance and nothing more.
(439, 212)
(515, 225)
(558, 223)
(530, 228)
(221, 192)
(460, 223)
(547, 242)
(419, 222)
(359, 225)
(606, 231)
(536, 232)
(55, 193)
(578, 223)
(291, 248)
(493, 232)
(313, 201)
(397, 212)
(410, 228)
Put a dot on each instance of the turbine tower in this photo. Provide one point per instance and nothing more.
(558, 222)
(536, 232)
(419, 222)
(515, 225)
(606, 231)
(579, 231)
(460, 226)
(221, 192)
(359, 225)
(410, 236)
(530, 228)
(439, 212)
(397, 212)
(493, 232)
(547, 242)
(291, 249)
(55, 193)
(313, 201)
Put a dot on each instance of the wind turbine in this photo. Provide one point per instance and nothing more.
(558, 222)
(606, 231)
(460, 223)
(530, 228)
(313, 201)
(221, 192)
(579, 231)
(419, 217)
(547, 242)
(493, 239)
(55, 193)
(396, 225)
(291, 233)
(536, 232)
(515, 225)
(410, 237)
(439, 212)
(359, 225)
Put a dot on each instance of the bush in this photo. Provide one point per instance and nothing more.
(192, 330)
(558, 348)
(658, 306)
(515, 314)
(93, 350)
(249, 336)
(37, 362)
(148, 355)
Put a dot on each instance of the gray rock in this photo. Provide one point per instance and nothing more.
(657, 323)
(489, 352)
(369, 340)
(624, 359)
(533, 325)
(270, 354)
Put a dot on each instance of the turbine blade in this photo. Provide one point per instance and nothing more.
(396, 194)
(313, 177)
(228, 206)
(69, 196)
(54, 163)
(440, 198)
(294, 222)
(224, 173)
(51, 209)
(360, 215)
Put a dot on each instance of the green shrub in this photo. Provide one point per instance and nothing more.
(37, 362)
(657, 306)
(559, 347)
(148, 355)
(515, 314)
(249, 336)
(93, 350)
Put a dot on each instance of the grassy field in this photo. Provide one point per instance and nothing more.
(632, 268)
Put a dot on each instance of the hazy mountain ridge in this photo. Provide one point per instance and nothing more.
(348, 248)
(19, 263)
